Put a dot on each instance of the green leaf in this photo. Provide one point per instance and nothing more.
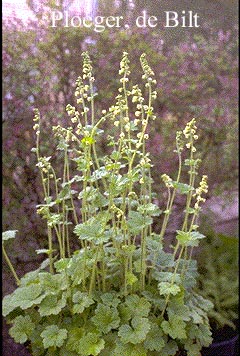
(110, 299)
(53, 336)
(176, 306)
(137, 221)
(138, 307)
(110, 344)
(91, 230)
(10, 234)
(170, 348)
(189, 238)
(30, 278)
(150, 209)
(166, 276)
(154, 340)
(192, 348)
(51, 305)
(62, 264)
(106, 318)
(21, 329)
(53, 283)
(182, 187)
(202, 333)
(77, 268)
(183, 237)
(175, 327)
(135, 333)
(131, 278)
(23, 297)
(166, 288)
(84, 344)
(129, 350)
(164, 259)
(81, 301)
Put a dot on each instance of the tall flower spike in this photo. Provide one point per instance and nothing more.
(148, 72)
(124, 65)
(87, 66)
(179, 142)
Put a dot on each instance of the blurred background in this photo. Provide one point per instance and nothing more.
(196, 70)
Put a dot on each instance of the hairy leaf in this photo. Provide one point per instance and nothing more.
(84, 344)
(135, 333)
(82, 301)
(106, 318)
(21, 329)
(137, 221)
(129, 350)
(53, 336)
(138, 307)
(52, 305)
(175, 327)
(166, 288)
(53, 283)
(154, 339)
(23, 297)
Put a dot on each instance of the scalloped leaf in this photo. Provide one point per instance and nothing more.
(166, 288)
(135, 333)
(23, 297)
(189, 238)
(202, 333)
(170, 348)
(175, 327)
(51, 305)
(163, 259)
(150, 209)
(53, 336)
(106, 318)
(93, 230)
(21, 329)
(154, 340)
(81, 301)
(183, 188)
(138, 307)
(52, 283)
(129, 350)
(84, 344)
(137, 221)
(110, 299)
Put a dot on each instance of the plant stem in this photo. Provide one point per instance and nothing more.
(10, 266)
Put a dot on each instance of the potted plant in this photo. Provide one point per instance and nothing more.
(120, 291)
(218, 282)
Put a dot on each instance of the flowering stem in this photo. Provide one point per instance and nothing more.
(10, 265)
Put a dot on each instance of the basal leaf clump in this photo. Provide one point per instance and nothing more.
(108, 285)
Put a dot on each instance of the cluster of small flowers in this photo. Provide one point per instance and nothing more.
(145, 161)
(62, 132)
(124, 68)
(119, 107)
(179, 142)
(44, 164)
(82, 93)
(203, 188)
(71, 111)
(87, 67)
(36, 119)
(167, 180)
(190, 134)
(148, 72)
